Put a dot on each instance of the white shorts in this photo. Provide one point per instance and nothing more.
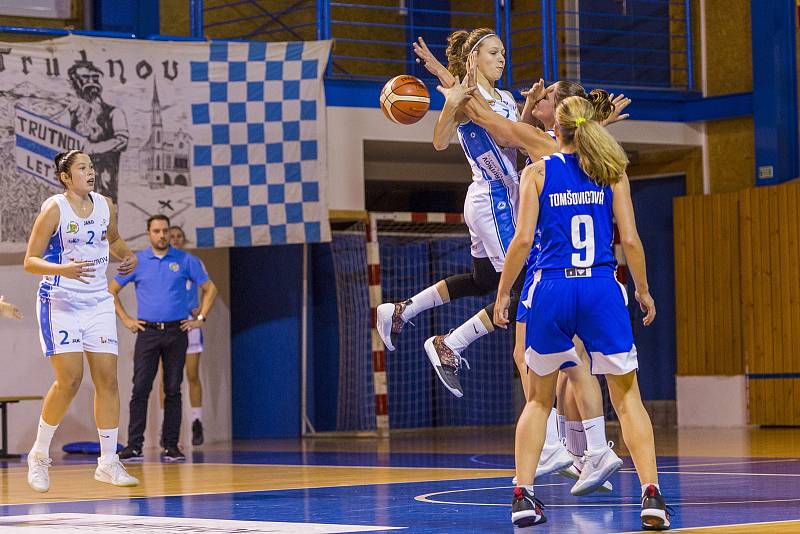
(80, 323)
(490, 211)
(195, 341)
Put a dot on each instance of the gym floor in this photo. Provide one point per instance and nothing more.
(731, 480)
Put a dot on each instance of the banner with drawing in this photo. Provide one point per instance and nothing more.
(227, 139)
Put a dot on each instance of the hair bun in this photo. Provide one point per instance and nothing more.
(601, 102)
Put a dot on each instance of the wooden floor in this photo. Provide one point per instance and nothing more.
(717, 480)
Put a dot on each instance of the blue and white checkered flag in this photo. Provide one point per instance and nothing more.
(259, 144)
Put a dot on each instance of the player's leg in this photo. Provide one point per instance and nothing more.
(195, 394)
(59, 335)
(103, 367)
(609, 338)
(68, 369)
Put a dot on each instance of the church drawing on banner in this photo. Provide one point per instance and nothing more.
(164, 158)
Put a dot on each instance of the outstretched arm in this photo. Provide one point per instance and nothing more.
(632, 246)
(426, 58)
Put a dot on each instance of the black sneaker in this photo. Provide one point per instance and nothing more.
(446, 362)
(526, 510)
(172, 454)
(197, 432)
(655, 514)
(131, 454)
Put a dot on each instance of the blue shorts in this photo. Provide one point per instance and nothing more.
(589, 303)
(525, 296)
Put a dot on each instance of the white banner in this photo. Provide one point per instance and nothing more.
(221, 137)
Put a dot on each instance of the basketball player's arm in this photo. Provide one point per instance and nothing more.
(44, 228)
(426, 58)
(532, 97)
(521, 245)
(446, 125)
(509, 133)
(130, 323)
(632, 246)
(116, 245)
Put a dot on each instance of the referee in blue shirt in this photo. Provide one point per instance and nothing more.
(161, 276)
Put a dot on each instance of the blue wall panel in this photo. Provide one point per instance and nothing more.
(775, 89)
(266, 300)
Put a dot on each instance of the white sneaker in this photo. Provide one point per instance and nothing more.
(598, 466)
(574, 472)
(111, 471)
(389, 321)
(554, 458)
(38, 472)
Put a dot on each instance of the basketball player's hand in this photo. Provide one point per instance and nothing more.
(9, 310)
(647, 305)
(459, 94)
(501, 310)
(81, 270)
(537, 92)
(426, 58)
(190, 324)
(620, 103)
(127, 265)
(134, 325)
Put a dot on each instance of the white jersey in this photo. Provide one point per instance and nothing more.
(78, 238)
(488, 160)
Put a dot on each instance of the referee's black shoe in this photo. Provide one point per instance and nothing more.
(131, 454)
(172, 454)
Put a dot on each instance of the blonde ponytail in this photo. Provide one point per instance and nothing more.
(599, 154)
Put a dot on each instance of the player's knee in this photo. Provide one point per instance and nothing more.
(192, 375)
(69, 385)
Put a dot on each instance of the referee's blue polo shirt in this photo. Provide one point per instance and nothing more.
(161, 283)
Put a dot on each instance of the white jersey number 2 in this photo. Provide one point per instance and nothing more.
(583, 240)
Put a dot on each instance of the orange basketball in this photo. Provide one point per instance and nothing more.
(405, 99)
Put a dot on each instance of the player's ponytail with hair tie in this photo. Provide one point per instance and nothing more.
(599, 154)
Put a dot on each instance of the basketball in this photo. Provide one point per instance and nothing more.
(405, 99)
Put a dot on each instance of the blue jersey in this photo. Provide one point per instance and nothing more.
(575, 218)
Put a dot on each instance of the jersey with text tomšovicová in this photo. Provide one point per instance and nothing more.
(575, 217)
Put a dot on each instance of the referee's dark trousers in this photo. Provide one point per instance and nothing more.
(168, 344)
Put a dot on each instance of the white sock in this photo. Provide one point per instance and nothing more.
(562, 426)
(645, 486)
(44, 435)
(424, 300)
(472, 330)
(576, 438)
(197, 413)
(108, 440)
(551, 437)
(529, 488)
(595, 430)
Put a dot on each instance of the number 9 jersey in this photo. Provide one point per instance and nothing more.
(573, 288)
(576, 221)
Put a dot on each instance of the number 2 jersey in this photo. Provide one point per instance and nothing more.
(575, 218)
(77, 238)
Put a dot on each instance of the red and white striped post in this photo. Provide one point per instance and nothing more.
(380, 382)
(380, 385)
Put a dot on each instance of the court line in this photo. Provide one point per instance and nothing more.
(686, 529)
(426, 499)
(777, 460)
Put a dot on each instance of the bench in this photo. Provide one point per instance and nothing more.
(5, 401)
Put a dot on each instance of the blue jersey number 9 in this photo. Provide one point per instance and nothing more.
(583, 240)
